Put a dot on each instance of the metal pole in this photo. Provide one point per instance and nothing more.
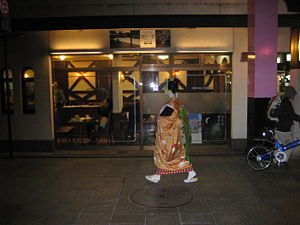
(8, 112)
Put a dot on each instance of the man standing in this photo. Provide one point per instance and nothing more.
(286, 118)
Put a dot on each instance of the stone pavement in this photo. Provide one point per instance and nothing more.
(96, 191)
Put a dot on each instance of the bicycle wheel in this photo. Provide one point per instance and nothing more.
(259, 157)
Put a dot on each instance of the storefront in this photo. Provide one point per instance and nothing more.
(83, 89)
(113, 99)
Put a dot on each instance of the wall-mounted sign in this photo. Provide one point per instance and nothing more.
(4, 7)
(140, 39)
(147, 39)
(163, 38)
(213, 127)
(125, 39)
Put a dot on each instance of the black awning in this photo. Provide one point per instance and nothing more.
(293, 5)
(149, 21)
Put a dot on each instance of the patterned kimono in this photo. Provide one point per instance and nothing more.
(170, 154)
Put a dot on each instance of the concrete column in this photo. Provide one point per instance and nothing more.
(239, 91)
(262, 40)
(117, 94)
(262, 70)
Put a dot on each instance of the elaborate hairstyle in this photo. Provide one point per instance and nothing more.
(171, 84)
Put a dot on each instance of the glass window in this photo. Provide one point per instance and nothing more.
(188, 80)
(81, 87)
(7, 96)
(216, 59)
(283, 70)
(187, 59)
(156, 59)
(126, 60)
(28, 91)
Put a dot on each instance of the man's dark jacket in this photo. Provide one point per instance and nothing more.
(286, 116)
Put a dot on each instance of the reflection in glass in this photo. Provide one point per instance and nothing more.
(216, 59)
(156, 59)
(28, 91)
(134, 83)
(187, 59)
(7, 94)
(126, 60)
(86, 85)
(283, 71)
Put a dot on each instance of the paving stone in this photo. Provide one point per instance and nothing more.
(127, 219)
(93, 219)
(231, 217)
(102, 206)
(163, 219)
(197, 218)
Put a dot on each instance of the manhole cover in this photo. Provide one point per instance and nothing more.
(156, 197)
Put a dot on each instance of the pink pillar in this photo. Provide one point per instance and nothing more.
(262, 40)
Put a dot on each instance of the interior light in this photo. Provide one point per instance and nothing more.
(197, 50)
(74, 52)
(278, 60)
(293, 44)
(251, 56)
(111, 56)
(62, 57)
(174, 73)
(26, 75)
(152, 84)
(81, 74)
(140, 51)
(122, 77)
(163, 57)
(201, 51)
(288, 57)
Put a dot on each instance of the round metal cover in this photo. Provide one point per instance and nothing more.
(155, 197)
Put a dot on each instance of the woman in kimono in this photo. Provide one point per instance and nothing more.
(173, 139)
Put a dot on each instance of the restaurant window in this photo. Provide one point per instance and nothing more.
(28, 91)
(155, 59)
(187, 59)
(216, 59)
(283, 70)
(126, 60)
(7, 96)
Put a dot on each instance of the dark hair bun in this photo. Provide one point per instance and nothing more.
(173, 84)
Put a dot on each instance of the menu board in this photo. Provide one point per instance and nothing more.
(147, 39)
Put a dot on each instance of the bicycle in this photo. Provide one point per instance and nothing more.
(260, 156)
